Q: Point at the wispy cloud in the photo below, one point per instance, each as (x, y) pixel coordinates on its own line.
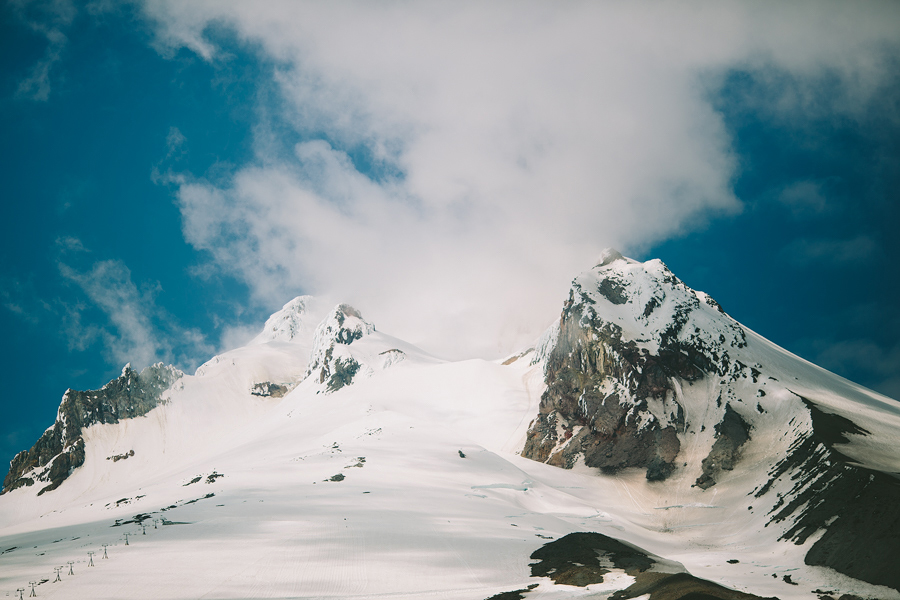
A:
(857, 340)
(49, 18)
(135, 328)
(132, 336)
(175, 143)
(20, 298)
(804, 198)
(479, 155)
(842, 252)
(105, 309)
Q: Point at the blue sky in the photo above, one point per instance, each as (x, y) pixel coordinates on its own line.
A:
(173, 173)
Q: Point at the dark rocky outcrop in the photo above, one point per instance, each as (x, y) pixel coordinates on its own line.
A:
(732, 432)
(267, 389)
(118, 457)
(582, 559)
(857, 507)
(344, 325)
(514, 594)
(342, 373)
(578, 559)
(630, 336)
(331, 362)
(60, 449)
(598, 390)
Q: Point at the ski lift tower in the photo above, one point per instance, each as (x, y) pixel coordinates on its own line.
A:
(71, 564)
(32, 584)
(91, 561)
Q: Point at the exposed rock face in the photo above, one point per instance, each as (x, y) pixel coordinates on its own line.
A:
(267, 389)
(732, 432)
(582, 559)
(856, 506)
(612, 383)
(60, 449)
(639, 366)
(331, 362)
(118, 457)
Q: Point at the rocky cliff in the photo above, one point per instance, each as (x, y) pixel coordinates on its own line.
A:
(640, 366)
(630, 336)
(60, 449)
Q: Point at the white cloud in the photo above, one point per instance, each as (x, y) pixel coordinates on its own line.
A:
(108, 285)
(138, 331)
(527, 136)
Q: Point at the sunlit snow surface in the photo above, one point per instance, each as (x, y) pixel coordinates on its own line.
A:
(434, 501)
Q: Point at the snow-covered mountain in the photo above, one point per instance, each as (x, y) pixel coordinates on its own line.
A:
(644, 372)
(648, 446)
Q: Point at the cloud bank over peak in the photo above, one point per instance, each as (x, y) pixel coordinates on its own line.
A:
(459, 163)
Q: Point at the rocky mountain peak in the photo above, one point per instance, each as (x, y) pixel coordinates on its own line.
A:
(330, 360)
(650, 306)
(343, 325)
(629, 335)
(642, 371)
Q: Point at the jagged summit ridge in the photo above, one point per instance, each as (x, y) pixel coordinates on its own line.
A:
(60, 449)
(653, 307)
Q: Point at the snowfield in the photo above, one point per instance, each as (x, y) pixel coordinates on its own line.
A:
(406, 483)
